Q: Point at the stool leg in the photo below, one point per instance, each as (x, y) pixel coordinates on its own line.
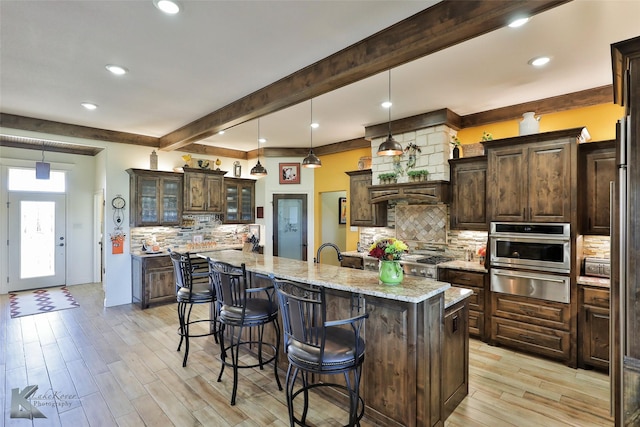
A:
(235, 357)
(181, 307)
(305, 396)
(275, 361)
(290, 382)
(223, 352)
(186, 336)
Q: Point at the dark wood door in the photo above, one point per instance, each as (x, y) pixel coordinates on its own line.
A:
(549, 182)
(599, 171)
(468, 193)
(290, 226)
(506, 186)
(595, 339)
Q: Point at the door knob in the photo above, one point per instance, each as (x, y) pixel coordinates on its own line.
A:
(61, 244)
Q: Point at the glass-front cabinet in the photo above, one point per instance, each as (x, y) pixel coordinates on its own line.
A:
(239, 200)
(155, 197)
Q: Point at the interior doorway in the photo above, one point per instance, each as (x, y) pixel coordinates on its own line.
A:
(332, 209)
(290, 226)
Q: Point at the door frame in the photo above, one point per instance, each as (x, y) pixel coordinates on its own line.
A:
(303, 222)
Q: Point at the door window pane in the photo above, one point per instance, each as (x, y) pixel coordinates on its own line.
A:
(25, 180)
(37, 239)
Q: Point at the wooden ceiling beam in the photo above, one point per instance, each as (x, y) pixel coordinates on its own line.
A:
(443, 25)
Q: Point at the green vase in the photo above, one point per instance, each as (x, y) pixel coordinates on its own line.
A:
(391, 272)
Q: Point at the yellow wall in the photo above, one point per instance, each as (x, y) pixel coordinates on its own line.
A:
(600, 121)
(332, 177)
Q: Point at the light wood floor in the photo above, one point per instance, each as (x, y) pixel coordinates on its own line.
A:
(119, 366)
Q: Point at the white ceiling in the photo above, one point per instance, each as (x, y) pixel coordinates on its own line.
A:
(183, 67)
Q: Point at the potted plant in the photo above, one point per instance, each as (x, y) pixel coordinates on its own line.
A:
(486, 136)
(418, 175)
(456, 146)
(388, 178)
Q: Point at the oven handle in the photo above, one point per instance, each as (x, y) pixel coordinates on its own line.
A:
(532, 276)
(538, 237)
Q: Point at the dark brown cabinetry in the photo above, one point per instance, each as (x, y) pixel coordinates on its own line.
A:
(468, 193)
(532, 325)
(239, 200)
(203, 191)
(532, 178)
(362, 212)
(597, 163)
(352, 262)
(593, 329)
(455, 360)
(155, 197)
(152, 280)
(478, 302)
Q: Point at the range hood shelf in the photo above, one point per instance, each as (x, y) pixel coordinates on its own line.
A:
(417, 192)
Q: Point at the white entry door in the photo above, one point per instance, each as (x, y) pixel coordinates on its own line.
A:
(37, 246)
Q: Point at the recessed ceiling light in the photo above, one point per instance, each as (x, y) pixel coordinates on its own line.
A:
(262, 140)
(169, 7)
(386, 104)
(518, 22)
(89, 105)
(539, 61)
(315, 125)
(221, 132)
(116, 69)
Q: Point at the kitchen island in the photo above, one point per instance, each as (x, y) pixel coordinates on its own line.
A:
(402, 377)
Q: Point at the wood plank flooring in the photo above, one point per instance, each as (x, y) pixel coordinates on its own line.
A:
(119, 367)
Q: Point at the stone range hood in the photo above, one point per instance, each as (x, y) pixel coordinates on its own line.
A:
(412, 192)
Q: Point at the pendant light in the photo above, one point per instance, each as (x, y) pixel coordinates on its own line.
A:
(311, 161)
(390, 147)
(258, 170)
(43, 170)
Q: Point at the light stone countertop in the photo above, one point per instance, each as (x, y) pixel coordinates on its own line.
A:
(413, 289)
(454, 295)
(601, 282)
(464, 265)
(165, 252)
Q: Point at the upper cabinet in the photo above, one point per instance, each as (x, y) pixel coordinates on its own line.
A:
(239, 200)
(532, 178)
(203, 191)
(468, 193)
(363, 213)
(597, 164)
(155, 197)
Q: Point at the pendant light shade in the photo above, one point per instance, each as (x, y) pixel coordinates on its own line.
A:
(258, 170)
(43, 169)
(311, 161)
(390, 147)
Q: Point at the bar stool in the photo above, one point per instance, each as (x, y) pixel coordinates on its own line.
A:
(240, 307)
(317, 346)
(189, 293)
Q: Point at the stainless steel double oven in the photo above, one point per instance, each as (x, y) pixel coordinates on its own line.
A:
(531, 259)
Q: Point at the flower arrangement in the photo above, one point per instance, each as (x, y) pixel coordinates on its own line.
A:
(455, 141)
(388, 249)
(486, 136)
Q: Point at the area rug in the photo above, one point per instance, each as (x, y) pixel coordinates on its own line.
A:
(38, 301)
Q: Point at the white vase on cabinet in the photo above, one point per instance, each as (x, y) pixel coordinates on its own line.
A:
(529, 124)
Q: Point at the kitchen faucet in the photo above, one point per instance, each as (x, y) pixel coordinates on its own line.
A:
(316, 260)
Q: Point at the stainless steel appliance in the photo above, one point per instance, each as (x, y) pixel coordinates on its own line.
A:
(543, 247)
(597, 267)
(425, 267)
(531, 260)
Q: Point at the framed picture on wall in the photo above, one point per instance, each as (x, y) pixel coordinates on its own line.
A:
(342, 210)
(289, 173)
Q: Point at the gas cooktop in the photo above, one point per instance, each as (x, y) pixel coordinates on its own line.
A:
(434, 259)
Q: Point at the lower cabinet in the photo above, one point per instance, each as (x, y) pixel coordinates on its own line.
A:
(478, 308)
(152, 280)
(593, 328)
(532, 325)
(455, 356)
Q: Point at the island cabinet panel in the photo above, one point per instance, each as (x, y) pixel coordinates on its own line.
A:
(455, 360)
(468, 193)
(479, 314)
(532, 178)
